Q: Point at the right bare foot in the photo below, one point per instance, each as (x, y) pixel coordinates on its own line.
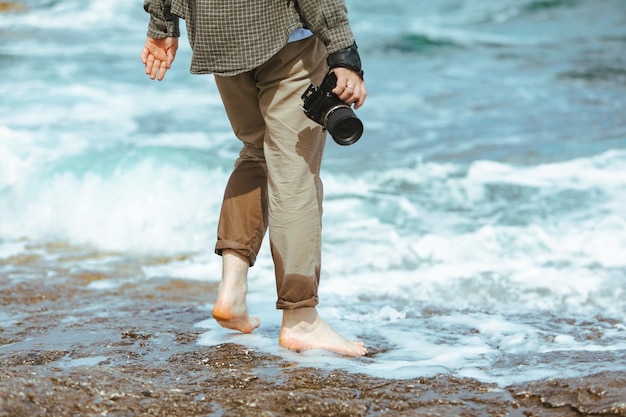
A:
(303, 329)
(231, 310)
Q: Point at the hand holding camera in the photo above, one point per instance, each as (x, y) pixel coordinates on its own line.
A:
(350, 87)
(326, 108)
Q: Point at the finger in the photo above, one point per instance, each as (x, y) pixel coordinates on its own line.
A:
(346, 95)
(144, 55)
(154, 69)
(357, 95)
(350, 93)
(162, 70)
(340, 89)
(362, 96)
(170, 58)
(171, 54)
(149, 63)
(342, 82)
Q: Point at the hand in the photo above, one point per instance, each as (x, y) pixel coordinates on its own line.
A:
(158, 55)
(350, 87)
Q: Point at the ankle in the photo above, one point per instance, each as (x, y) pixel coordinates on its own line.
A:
(301, 317)
(233, 258)
(234, 273)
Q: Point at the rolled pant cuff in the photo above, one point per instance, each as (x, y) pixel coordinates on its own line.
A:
(243, 250)
(288, 305)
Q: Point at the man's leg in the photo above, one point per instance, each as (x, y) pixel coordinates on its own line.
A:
(293, 148)
(293, 152)
(243, 218)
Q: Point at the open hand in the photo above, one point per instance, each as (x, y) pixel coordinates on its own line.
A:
(157, 55)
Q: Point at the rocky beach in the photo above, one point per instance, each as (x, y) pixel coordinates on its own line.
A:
(75, 349)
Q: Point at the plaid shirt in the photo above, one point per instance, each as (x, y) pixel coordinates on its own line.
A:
(228, 37)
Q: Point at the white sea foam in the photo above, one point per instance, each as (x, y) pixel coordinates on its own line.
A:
(454, 295)
(204, 267)
(492, 288)
(76, 14)
(90, 361)
(132, 210)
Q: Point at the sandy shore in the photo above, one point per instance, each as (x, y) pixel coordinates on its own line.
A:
(67, 349)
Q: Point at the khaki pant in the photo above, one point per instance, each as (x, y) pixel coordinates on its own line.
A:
(275, 183)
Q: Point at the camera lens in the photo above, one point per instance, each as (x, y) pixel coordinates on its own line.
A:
(343, 125)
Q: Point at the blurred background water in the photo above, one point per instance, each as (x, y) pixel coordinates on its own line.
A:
(477, 228)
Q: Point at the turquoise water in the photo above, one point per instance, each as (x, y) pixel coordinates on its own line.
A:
(477, 228)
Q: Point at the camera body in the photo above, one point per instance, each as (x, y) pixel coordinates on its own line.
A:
(327, 109)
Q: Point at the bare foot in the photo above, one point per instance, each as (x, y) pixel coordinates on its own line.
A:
(235, 318)
(303, 329)
(231, 310)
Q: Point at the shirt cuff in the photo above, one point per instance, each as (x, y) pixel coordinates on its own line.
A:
(159, 29)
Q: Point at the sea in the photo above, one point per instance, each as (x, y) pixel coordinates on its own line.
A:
(477, 228)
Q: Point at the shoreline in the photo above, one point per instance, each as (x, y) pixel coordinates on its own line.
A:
(67, 349)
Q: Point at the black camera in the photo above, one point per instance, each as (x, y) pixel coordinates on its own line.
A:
(327, 109)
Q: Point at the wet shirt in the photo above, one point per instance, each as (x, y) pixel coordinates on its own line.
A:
(228, 37)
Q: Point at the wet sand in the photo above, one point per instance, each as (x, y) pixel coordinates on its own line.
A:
(68, 349)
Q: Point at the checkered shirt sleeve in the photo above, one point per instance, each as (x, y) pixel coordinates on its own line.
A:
(232, 36)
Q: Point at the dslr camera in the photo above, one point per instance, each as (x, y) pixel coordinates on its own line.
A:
(326, 108)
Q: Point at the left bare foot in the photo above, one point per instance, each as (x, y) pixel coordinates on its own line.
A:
(231, 309)
(303, 329)
(234, 316)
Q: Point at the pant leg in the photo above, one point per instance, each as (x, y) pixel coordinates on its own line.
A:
(292, 149)
(243, 218)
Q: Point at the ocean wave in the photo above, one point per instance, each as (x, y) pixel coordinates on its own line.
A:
(417, 43)
(598, 74)
(433, 39)
(140, 200)
(445, 213)
(541, 5)
(74, 15)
